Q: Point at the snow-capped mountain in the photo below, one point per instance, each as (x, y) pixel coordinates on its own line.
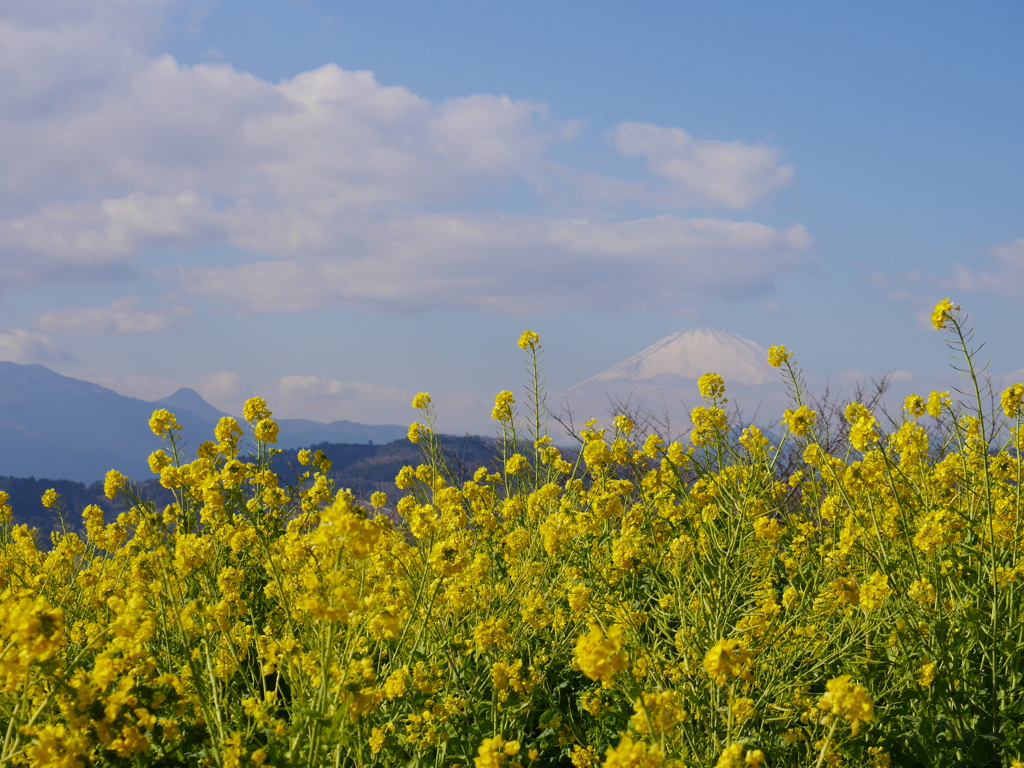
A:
(690, 354)
(662, 380)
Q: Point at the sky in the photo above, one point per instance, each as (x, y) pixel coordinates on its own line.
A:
(336, 205)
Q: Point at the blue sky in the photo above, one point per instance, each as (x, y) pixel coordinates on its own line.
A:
(336, 205)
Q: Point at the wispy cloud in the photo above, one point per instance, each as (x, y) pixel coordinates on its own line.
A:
(1003, 275)
(121, 317)
(704, 171)
(18, 345)
(517, 265)
(332, 389)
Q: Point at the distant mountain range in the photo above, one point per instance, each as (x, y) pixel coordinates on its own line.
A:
(63, 428)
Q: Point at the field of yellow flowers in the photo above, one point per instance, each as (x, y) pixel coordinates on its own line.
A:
(649, 604)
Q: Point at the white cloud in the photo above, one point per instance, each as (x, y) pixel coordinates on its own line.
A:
(326, 135)
(730, 173)
(509, 264)
(316, 386)
(339, 189)
(326, 400)
(1013, 377)
(320, 399)
(147, 388)
(18, 345)
(121, 317)
(57, 54)
(224, 389)
(1004, 277)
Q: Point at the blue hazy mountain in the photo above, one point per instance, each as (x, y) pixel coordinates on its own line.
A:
(186, 399)
(293, 433)
(63, 428)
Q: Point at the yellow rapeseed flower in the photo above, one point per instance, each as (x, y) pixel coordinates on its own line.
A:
(623, 424)
(711, 386)
(936, 402)
(862, 425)
(799, 421)
(943, 313)
(844, 698)
(493, 752)
(915, 406)
(50, 497)
(1012, 401)
(728, 659)
(600, 655)
(742, 709)
(777, 356)
(633, 754)
(421, 400)
(583, 757)
(874, 591)
(113, 482)
(529, 340)
(926, 673)
(265, 431)
(162, 421)
(733, 756)
(503, 406)
(255, 409)
(658, 713)
(447, 557)
(515, 462)
(705, 422)
(227, 430)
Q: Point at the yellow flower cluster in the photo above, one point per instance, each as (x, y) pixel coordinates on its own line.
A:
(163, 422)
(847, 700)
(734, 756)
(711, 386)
(600, 654)
(943, 313)
(800, 420)
(863, 426)
(529, 340)
(633, 754)
(50, 497)
(728, 659)
(503, 402)
(1012, 401)
(777, 356)
(493, 752)
(638, 601)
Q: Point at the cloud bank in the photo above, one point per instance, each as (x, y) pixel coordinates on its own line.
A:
(338, 189)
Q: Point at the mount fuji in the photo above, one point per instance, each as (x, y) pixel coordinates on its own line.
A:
(663, 377)
(691, 354)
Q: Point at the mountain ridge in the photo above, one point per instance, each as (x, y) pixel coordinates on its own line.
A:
(53, 425)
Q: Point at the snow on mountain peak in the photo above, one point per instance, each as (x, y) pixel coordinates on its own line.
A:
(690, 354)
